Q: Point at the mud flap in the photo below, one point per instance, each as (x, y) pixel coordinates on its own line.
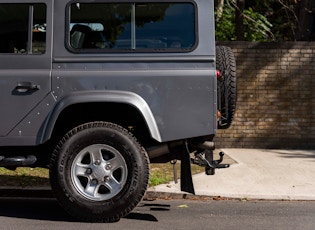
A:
(186, 183)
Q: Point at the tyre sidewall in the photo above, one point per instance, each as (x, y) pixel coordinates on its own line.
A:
(226, 64)
(130, 194)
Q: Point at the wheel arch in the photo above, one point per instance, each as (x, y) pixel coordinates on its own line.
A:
(77, 101)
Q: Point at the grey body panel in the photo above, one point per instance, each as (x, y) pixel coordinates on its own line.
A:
(176, 96)
(175, 92)
(20, 69)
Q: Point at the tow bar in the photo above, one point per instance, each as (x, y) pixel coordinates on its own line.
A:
(203, 156)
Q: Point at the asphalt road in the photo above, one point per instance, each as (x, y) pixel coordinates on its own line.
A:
(17, 213)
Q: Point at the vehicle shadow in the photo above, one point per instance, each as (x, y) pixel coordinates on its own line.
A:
(296, 154)
(48, 209)
(142, 211)
(33, 208)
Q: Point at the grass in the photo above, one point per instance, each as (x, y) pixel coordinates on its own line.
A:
(27, 177)
(24, 177)
(164, 173)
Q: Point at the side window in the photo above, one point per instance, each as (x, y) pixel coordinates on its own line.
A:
(165, 25)
(22, 28)
(143, 27)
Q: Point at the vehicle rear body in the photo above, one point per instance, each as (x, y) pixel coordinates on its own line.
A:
(174, 88)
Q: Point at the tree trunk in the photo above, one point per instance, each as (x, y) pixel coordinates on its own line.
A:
(306, 20)
(220, 5)
(239, 20)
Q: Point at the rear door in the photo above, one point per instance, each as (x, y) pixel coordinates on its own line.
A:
(25, 59)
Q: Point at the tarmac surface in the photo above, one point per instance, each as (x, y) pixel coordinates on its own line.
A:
(256, 174)
(253, 174)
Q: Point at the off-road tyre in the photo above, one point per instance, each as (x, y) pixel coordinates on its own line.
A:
(227, 92)
(87, 154)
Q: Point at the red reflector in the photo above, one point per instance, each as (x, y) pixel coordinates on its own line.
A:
(218, 73)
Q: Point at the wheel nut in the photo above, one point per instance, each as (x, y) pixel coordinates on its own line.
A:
(106, 179)
(97, 162)
(108, 167)
(88, 171)
(94, 182)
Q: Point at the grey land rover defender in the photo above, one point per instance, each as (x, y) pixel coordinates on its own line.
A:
(96, 90)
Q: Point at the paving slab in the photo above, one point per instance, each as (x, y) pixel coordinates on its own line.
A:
(257, 174)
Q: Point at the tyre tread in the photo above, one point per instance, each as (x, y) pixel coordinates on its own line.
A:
(60, 194)
(225, 62)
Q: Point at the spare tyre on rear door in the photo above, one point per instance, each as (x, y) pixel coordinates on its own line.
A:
(225, 63)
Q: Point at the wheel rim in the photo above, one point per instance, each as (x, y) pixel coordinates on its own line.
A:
(99, 172)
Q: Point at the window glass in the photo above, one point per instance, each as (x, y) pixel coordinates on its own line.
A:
(39, 29)
(115, 21)
(132, 26)
(165, 26)
(16, 34)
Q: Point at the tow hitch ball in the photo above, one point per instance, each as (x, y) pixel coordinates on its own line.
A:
(204, 157)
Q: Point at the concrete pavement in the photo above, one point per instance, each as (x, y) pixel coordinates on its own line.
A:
(256, 174)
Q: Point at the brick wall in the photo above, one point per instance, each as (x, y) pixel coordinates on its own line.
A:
(276, 96)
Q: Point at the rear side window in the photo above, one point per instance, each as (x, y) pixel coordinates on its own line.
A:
(142, 27)
(22, 28)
